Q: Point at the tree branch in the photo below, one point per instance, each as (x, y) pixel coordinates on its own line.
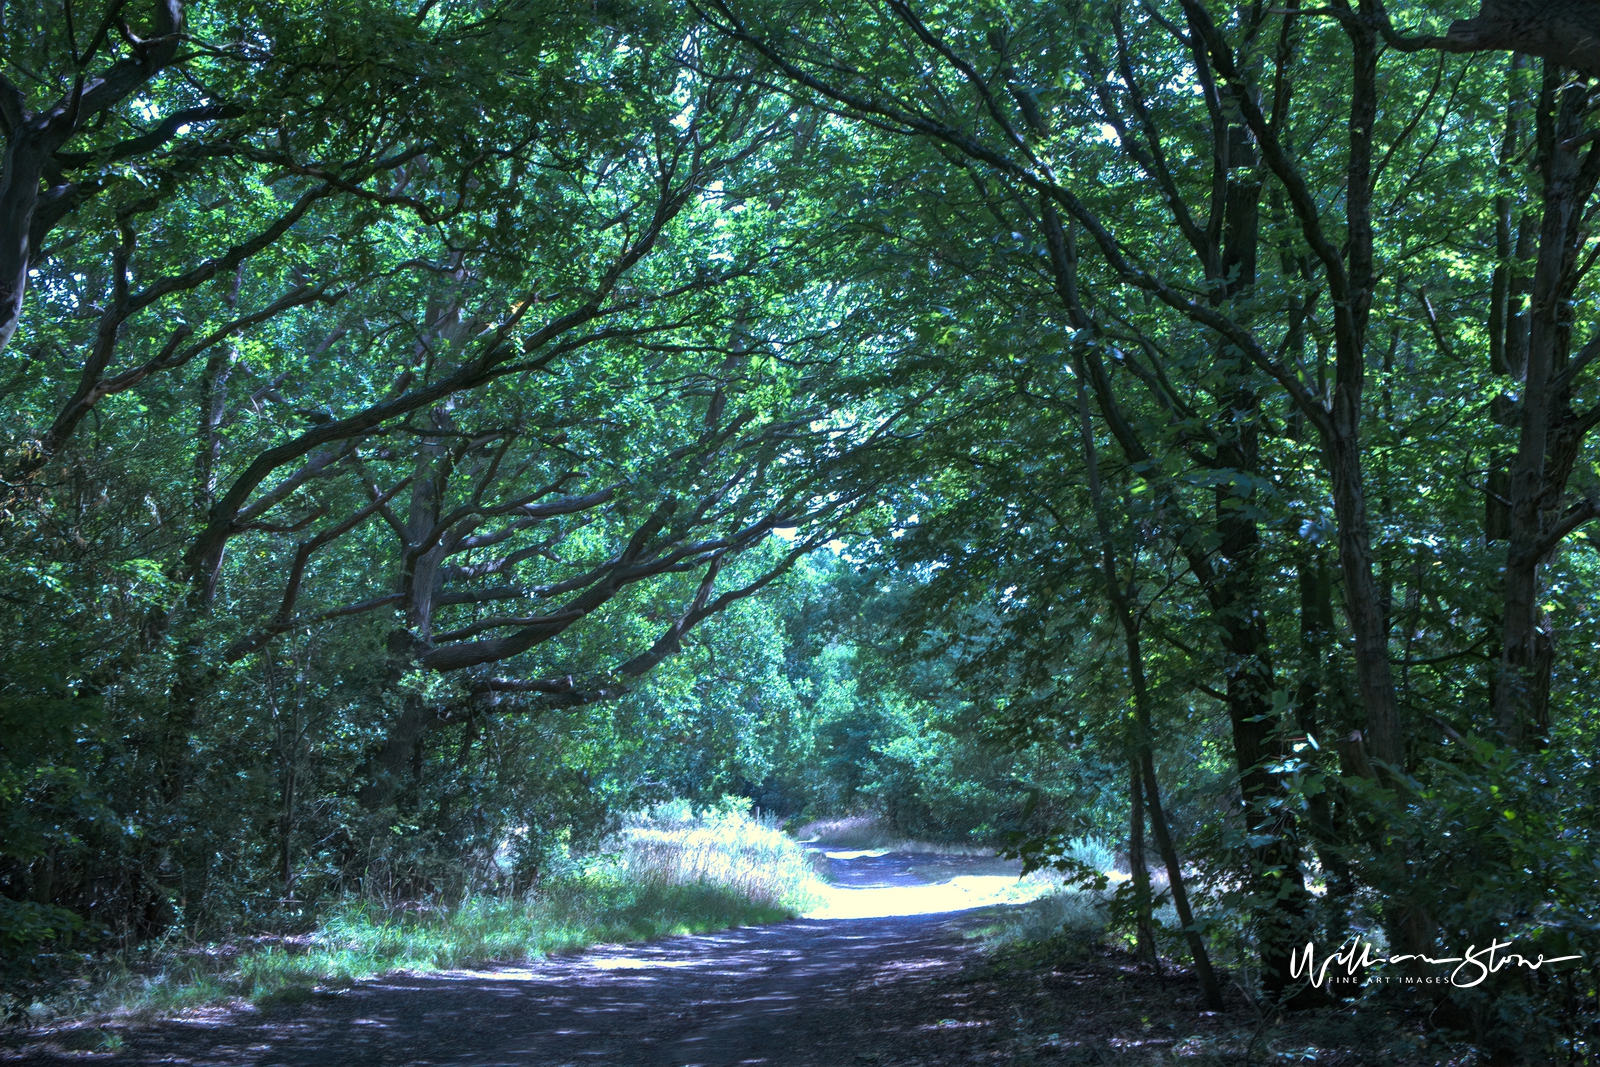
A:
(1565, 32)
(284, 618)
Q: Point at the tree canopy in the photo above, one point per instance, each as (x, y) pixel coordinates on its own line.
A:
(436, 428)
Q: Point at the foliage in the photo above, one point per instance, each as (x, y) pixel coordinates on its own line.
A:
(723, 846)
(435, 430)
(1502, 850)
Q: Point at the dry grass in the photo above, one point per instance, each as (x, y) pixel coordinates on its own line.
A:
(724, 847)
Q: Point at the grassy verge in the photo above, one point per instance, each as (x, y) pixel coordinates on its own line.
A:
(676, 871)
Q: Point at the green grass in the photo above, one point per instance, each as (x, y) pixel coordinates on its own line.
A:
(359, 940)
(1058, 919)
(674, 871)
(723, 847)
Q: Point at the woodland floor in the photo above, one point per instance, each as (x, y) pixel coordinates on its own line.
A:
(849, 988)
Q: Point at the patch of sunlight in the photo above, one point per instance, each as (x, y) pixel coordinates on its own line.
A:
(635, 963)
(962, 893)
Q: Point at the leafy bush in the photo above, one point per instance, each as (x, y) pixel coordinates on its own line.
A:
(1490, 845)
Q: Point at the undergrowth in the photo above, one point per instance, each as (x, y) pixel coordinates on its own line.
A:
(668, 872)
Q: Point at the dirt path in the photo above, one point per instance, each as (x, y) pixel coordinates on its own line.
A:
(885, 975)
(864, 988)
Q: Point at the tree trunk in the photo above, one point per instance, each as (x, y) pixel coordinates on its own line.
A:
(1142, 721)
(1232, 586)
(1138, 869)
(386, 769)
(19, 195)
(418, 582)
(32, 139)
(212, 405)
(1237, 602)
(1321, 722)
(1384, 738)
(1180, 896)
(1542, 465)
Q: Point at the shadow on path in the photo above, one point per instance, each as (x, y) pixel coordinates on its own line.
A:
(812, 991)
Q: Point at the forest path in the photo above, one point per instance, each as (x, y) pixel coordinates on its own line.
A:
(862, 981)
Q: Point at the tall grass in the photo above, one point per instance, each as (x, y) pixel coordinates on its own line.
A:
(671, 871)
(1066, 922)
(1070, 921)
(726, 847)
